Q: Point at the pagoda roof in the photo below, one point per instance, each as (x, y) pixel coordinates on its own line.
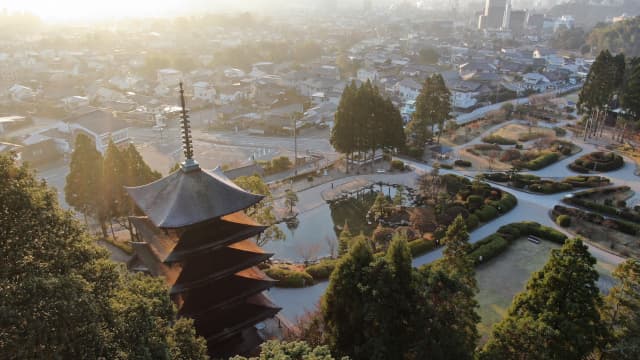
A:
(221, 232)
(208, 236)
(225, 322)
(236, 288)
(205, 268)
(186, 198)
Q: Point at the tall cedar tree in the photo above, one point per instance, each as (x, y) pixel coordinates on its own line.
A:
(62, 298)
(366, 122)
(556, 317)
(605, 79)
(630, 98)
(84, 181)
(621, 314)
(461, 290)
(433, 107)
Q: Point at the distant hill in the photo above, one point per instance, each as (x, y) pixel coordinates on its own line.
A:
(623, 36)
(590, 12)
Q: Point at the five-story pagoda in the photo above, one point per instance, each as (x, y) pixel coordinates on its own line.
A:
(196, 235)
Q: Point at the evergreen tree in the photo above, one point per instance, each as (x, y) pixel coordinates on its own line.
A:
(343, 133)
(433, 107)
(84, 181)
(344, 303)
(344, 239)
(621, 313)
(62, 298)
(455, 260)
(556, 317)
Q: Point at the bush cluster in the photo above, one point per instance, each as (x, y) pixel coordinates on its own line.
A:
(623, 226)
(397, 165)
(289, 278)
(421, 246)
(321, 270)
(462, 163)
(486, 213)
(597, 161)
(530, 136)
(497, 139)
(564, 221)
(541, 161)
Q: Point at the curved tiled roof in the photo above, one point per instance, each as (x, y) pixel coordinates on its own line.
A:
(186, 198)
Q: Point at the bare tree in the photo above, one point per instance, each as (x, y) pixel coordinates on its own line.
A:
(332, 244)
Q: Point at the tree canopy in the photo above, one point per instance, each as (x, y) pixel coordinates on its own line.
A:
(365, 121)
(556, 317)
(433, 107)
(61, 296)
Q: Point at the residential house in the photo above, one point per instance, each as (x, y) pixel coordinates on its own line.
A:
(73, 103)
(101, 126)
(202, 90)
(464, 94)
(408, 89)
(536, 82)
(21, 93)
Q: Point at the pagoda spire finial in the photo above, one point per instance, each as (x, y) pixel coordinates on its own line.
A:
(189, 163)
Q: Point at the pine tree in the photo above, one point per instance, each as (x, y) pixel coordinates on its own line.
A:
(344, 129)
(344, 241)
(84, 181)
(560, 303)
(455, 260)
(621, 314)
(418, 128)
(343, 304)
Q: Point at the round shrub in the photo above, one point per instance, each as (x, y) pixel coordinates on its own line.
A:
(462, 163)
(497, 139)
(472, 222)
(421, 246)
(564, 221)
(487, 213)
(397, 165)
(474, 202)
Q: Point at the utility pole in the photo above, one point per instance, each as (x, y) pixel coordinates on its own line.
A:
(295, 147)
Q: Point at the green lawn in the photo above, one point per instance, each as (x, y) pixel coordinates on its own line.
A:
(505, 276)
(500, 279)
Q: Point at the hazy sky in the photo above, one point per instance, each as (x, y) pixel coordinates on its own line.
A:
(60, 10)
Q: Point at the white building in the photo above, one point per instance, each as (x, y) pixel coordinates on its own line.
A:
(536, 82)
(565, 21)
(464, 93)
(72, 103)
(204, 91)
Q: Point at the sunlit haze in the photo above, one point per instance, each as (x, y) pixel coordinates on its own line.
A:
(91, 10)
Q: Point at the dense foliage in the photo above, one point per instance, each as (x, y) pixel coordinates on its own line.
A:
(383, 308)
(365, 121)
(619, 37)
(60, 295)
(433, 107)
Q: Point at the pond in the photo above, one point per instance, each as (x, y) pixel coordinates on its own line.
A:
(317, 230)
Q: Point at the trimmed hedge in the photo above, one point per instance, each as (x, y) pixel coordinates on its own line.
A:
(486, 213)
(472, 222)
(497, 139)
(564, 221)
(462, 163)
(421, 246)
(289, 278)
(542, 161)
(321, 270)
(488, 248)
(598, 161)
(623, 226)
